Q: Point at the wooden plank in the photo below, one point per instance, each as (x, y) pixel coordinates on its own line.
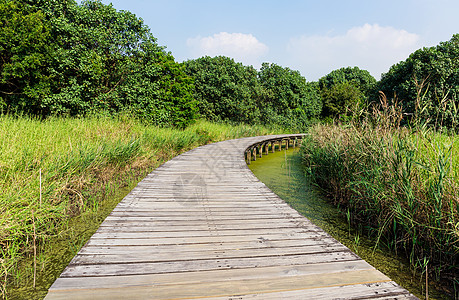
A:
(209, 276)
(196, 225)
(133, 256)
(229, 288)
(167, 222)
(215, 222)
(203, 265)
(188, 211)
(196, 210)
(216, 246)
(196, 234)
(205, 239)
(380, 291)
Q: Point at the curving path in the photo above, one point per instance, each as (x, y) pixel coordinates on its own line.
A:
(203, 226)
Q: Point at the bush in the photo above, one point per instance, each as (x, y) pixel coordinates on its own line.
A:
(341, 99)
(25, 49)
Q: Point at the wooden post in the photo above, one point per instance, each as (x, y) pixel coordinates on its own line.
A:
(34, 251)
(249, 158)
(254, 153)
(266, 149)
(294, 142)
(273, 146)
(40, 192)
(260, 150)
(287, 142)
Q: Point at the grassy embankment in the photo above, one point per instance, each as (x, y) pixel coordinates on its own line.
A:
(81, 162)
(400, 186)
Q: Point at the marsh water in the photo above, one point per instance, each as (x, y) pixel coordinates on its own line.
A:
(282, 172)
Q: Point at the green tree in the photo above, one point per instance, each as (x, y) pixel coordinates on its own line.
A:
(361, 79)
(225, 90)
(427, 83)
(103, 60)
(25, 49)
(288, 99)
(341, 99)
(158, 90)
(345, 89)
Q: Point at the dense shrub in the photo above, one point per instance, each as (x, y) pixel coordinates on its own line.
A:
(229, 91)
(64, 58)
(341, 99)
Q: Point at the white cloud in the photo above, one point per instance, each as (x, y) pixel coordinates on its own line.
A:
(371, 47)
(242, 47)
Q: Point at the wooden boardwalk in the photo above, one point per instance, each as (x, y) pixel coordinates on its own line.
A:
(203, 226)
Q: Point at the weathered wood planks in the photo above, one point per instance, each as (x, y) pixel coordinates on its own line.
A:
(203, 226)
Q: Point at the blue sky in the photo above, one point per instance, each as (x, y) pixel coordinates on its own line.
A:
(313, 37)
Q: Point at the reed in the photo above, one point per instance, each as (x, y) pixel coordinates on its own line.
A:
(400, 184)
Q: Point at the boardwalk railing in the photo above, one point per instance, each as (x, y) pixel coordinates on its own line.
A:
(203, 226)
(271, 144)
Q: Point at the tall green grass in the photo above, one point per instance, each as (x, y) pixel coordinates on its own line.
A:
(81, 161)
(400, 185)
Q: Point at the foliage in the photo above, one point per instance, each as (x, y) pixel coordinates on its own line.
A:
(63, 58)
(229, 91)
(288, 99)
(362, 79)
(96, 59)
(24, 51)
(427, 83)
(225, 90)
(343, 89)
(342, 99)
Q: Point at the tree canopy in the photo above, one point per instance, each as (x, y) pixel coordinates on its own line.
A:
(224, 89)
(345, 89)
(288, 99)
(24, 53)
(63, 58)
(427, 82)
(78, 59)
(229, 91)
